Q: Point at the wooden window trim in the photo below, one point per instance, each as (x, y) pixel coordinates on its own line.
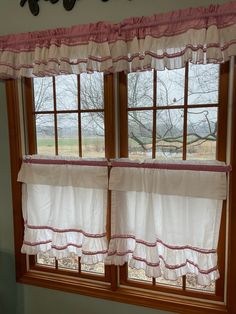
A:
(120, 293)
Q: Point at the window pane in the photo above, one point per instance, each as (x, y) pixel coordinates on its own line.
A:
(163, 281)
(202, 128)
(169, 134)
(191, 284)
(91, 91)
(44, 259)
(45, 134)
(68, 263)
(98, 268)
(138, 274)
(203, 84)
(43, 94)
(93, 141)
(140, 134)
(140, 89)
(170, 87)
(67, 128)
(66, 92)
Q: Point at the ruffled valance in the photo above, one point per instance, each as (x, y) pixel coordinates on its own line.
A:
(201, 35)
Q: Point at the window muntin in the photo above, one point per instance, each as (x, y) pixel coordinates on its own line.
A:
(69, 115)
(172, 114)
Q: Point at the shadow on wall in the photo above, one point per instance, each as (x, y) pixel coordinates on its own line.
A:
(11, 294)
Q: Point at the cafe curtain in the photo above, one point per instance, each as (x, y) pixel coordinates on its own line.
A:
(64, 205)
(169, 40)
(165, 218)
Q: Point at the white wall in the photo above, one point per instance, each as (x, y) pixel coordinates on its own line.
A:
(15, 19)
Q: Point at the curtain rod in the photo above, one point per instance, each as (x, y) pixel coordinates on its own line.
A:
(130, 164)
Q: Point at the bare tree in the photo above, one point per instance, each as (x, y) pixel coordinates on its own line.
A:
(201, 124)
(88, 92)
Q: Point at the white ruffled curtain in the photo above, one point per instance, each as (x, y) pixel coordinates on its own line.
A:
(169, 40)
(64, 206)
(166, 221)
(165, 218)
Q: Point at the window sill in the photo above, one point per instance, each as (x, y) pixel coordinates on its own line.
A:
(157, 300)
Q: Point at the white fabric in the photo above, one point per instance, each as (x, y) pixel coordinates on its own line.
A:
(64, 175)
(64, 209)
(170, 182)
(165, 234)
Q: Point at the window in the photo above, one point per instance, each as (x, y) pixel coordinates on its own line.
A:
(68, 117)
(180, 114)
(174, 115)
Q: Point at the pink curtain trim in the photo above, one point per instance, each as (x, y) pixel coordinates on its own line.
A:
(60, 248)
(88, 235)
(168, 266)
(66, 162)
(36, 243)
(167, 24)
(124, 58)
(169, 166)
(172, 247)
(127, 164)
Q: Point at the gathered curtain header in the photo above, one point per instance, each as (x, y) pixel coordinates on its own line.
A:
(169, 40)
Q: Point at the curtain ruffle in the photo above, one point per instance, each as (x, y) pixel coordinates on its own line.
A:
(201, 35)
(61, 243)
(159, 259)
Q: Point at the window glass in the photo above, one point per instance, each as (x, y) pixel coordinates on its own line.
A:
(43, 94)
(203, 84)
(170, 87)
(45, 134)
(140, 125)
(67, 130)
(93, 140)
(169, 134)
(66, 92)
(140, 89)
(202, 133)
(91, 91)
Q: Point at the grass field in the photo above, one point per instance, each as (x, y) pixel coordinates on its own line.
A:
(91, 146)
(94, 147)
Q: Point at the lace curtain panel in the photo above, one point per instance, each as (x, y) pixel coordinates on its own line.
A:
(166, 221)
(200, 35)
(165, 218)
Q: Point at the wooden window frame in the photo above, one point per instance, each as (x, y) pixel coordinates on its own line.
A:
(220, 155)
(114, 291)
(108, 111)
